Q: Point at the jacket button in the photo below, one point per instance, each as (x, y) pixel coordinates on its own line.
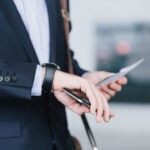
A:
(14, 78)
(7, 79)
(1, 78)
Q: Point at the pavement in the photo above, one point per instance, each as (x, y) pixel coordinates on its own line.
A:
(129, 130)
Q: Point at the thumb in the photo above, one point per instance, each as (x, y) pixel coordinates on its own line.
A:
(103, 74)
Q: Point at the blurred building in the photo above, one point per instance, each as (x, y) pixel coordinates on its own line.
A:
(119, 45)
(117, 31)
(87, 14)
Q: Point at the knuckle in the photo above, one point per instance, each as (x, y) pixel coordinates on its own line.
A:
(93, 110)
(113, 93)
(84, 85)
(85, 81)
(94, 103)
(69, 107)
(114, 86)
(79, 113)
(119, 89)
(124, 79)
(93, 106)
(108, 97)
(100, 111)
(100, 108)
(106, 110)
(89, 82)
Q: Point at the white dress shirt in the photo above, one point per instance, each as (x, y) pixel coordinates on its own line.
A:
(35, 17)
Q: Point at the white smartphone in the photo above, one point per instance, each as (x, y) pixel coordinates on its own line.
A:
(121, 73)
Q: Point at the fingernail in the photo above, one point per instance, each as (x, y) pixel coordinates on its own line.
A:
(99, 122)
(107, 120)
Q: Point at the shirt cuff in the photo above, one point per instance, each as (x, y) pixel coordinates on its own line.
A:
(38, 81)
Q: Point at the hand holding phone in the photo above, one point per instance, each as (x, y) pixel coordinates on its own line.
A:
(106, 81)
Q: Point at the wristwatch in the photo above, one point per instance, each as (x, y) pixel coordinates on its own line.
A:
(50, 69)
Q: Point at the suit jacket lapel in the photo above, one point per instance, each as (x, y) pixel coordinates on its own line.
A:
(15, 20)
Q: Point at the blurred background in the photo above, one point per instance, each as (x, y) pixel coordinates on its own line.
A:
(108, 35)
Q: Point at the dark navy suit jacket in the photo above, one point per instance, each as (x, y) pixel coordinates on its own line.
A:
(30, 123)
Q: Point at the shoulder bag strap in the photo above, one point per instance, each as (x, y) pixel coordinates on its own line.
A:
(66, 20)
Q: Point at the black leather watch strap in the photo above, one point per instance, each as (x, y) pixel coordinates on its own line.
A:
(49, 76)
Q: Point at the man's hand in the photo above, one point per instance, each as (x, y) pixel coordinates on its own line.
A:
(99, 104)
(108, 90)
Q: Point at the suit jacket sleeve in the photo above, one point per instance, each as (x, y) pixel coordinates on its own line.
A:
(16, 80)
